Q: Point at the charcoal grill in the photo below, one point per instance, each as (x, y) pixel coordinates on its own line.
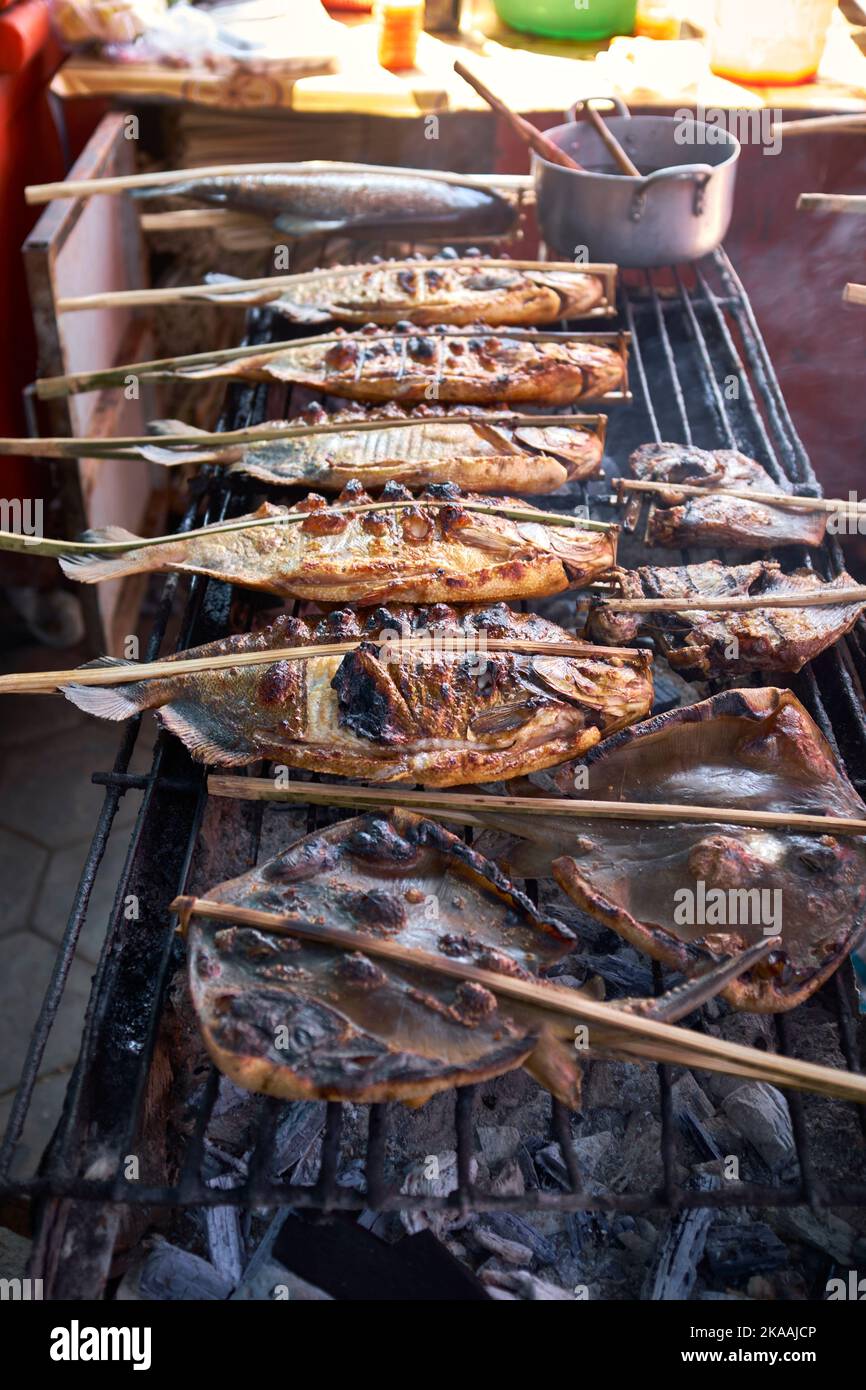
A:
(700, 373)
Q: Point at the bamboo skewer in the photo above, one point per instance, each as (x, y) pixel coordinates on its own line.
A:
(819, 125)
(645, 1035)
(524, 129)
(787, 500)
(279, 284)
(440, 645)
(622, 159)
(456, 805)
(741, 603)
(125, 445)
(832, 202)
(854, 294)
(47, 388)
(15, 542)
(121, 183)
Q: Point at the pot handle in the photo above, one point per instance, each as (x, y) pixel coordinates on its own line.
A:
(700, 174)
(575, 110)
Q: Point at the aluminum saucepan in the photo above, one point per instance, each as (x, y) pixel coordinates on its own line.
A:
(679, 210)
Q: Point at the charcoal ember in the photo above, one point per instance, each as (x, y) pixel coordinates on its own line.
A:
(626, 971)
(527, 1286)
(498, 1143)
(509, 1252)
(521, 1229)
(164, 1273)
(620, 1087)
(680, 1251)
(509, 1181)
(434, 1176)
(825, 1232)
(761, 1115)
(737, 1249)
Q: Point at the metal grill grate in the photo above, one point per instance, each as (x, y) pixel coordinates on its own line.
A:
(701, 374)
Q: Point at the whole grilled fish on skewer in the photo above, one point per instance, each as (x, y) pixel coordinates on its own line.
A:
(361, 1028)
(423, 292)
(413, 553)
(510, 453)
(688, 892)
(730, 644)
(722, 521)
(446, 365)
(322, 201)
(388, 711)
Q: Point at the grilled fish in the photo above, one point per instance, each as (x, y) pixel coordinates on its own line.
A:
(412, 367)
(324, 201)
(730, 644)
(746, 750)
(391, 713)
(726, 521)
(300, 1020)
(480, 457)
(418, 554)
(426, 293)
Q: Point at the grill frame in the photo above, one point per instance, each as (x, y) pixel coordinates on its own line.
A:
(695, 322)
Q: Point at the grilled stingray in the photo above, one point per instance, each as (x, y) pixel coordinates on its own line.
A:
(301, 1020)
(415, 555)
(427, 293)
(479, 457)
(310, 200)
(686, 893)
(388, 713)
(483, 368)
(726, 521)
(730, 644)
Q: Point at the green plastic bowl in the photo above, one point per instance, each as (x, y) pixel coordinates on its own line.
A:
(568, 19)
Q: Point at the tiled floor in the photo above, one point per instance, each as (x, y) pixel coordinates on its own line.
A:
(48, 810)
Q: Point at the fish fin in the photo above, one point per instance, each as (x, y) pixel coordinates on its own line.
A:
(104, 701)
(683, 999)
(305, 226)
(203, 748)
(92, 568)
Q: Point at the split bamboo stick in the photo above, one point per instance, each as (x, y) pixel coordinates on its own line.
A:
(786, 500)
(476, 804)
(741, 603)
(472, 644)
(677, 1043)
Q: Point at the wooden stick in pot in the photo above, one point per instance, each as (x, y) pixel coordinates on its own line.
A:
(527, 132)
(623, 162)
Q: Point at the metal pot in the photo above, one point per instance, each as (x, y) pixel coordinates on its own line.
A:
(678, 210)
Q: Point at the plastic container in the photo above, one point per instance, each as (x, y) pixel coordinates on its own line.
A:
(773, 43)
(563, 19)
(400, 23)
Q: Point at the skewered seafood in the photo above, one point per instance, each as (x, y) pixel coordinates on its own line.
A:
(677, 520)
(497, 293)
(730, 644)
(686, 892)
(412, 553)
(307, 201)
(481, 457)
(374, 364)
(388, 711)
(478, 368)
(304, 1020)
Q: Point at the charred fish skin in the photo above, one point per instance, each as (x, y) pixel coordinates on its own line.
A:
(361, 1029)
(459, 367)
(678, 520)
(425, 294)
(477, 457)
(388, 711)
(711, 644)
(414, 554)
(329, 201)
(763, 747)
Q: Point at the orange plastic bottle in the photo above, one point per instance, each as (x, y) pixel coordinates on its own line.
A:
(400, 24)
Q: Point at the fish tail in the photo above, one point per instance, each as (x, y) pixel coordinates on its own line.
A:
(91, 567)
(115, 702)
